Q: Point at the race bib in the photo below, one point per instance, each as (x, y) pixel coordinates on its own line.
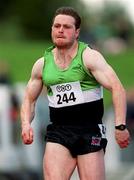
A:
(67, 94)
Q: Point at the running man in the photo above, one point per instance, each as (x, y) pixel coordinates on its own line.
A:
(74, 75)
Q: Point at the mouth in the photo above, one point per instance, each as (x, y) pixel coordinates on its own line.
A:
(62, 37)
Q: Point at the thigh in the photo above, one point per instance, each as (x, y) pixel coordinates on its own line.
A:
(58, 163)
(91, 166)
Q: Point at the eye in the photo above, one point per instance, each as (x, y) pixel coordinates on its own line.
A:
(56, 25)
(66, 26)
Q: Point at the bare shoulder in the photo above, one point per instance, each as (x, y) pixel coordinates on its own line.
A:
(39, 63)
(38, 67)
(92, 53)
(93, 58)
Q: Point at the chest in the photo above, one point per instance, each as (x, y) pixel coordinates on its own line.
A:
(64, 64)
(53, 75)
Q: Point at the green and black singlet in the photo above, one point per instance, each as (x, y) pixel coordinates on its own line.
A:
(75, 97)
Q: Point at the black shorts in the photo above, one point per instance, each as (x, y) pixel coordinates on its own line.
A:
(78, 140)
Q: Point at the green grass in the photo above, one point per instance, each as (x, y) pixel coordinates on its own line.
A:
(22, 55)
(123, 64)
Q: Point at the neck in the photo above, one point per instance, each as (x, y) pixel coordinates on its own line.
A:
(66, 51)
(64, 56)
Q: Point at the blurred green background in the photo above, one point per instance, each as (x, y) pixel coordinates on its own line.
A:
(25, 33)
(25, 27)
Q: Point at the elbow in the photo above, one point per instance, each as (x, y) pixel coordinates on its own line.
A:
(123, 91)
(120, 89)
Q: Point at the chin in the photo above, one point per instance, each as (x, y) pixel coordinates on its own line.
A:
(60, 43)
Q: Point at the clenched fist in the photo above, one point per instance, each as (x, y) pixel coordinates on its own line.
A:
(122, 138)
(27, 134)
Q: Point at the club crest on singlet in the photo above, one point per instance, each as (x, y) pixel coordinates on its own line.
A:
(67, 94)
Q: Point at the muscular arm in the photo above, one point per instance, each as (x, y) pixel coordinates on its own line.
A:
(106, 76)
(32, 92)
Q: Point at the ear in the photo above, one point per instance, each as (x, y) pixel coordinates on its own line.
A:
(77, 33)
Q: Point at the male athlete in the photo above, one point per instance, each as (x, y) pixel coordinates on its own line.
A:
(74, 75)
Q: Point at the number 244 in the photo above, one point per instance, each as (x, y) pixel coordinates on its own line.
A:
(66, 98)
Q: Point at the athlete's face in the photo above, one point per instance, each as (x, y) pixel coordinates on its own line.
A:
(64, 32)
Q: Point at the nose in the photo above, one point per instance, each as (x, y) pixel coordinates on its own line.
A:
(61, 29)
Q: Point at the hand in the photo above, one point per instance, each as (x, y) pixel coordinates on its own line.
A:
(27, 134)
(122, 138)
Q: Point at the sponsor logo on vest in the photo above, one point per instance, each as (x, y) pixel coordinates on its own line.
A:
(63, 88)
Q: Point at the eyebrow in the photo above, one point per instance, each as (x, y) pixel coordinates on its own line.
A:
(70, 25)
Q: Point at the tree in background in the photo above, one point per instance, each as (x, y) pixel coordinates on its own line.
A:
(116, 17)
(32, 19)
(35, 16)
(4, 8)
(110, 21)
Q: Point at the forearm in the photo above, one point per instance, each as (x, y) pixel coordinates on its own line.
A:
(27, 112)
(32, 92)
(119, 103)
